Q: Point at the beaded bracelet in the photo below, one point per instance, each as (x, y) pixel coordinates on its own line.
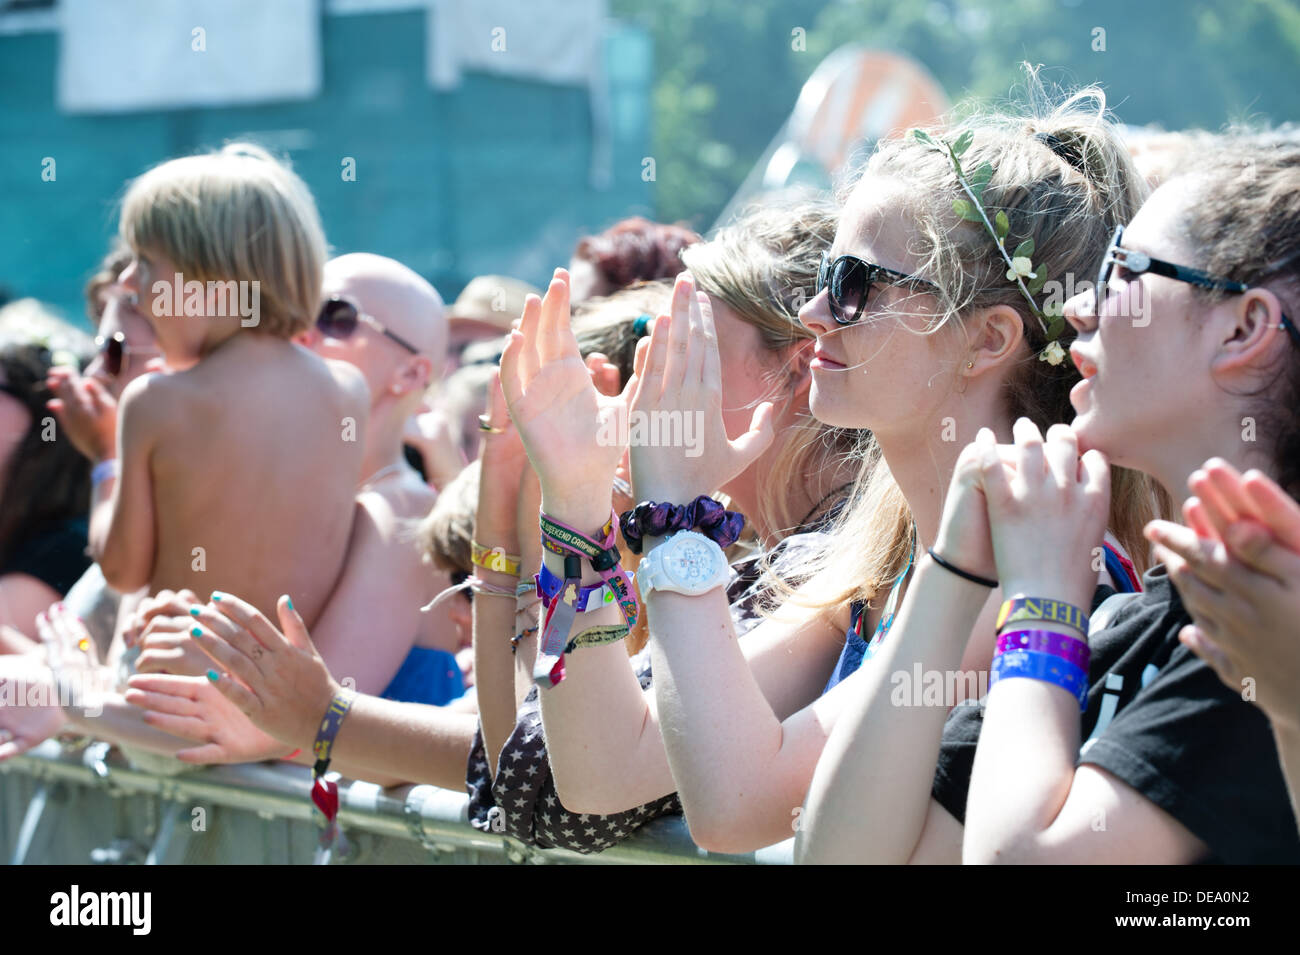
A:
(1046, 667)
(650, 519)
(1067, 648)
(1039, 609)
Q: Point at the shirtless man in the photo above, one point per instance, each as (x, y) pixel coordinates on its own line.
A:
(387, 321)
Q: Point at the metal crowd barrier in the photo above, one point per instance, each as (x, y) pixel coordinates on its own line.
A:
(92, 806)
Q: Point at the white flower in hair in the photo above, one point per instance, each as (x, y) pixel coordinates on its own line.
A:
(1053, 354)
(1022, 267)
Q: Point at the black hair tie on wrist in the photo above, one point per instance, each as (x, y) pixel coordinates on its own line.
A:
(953, 569)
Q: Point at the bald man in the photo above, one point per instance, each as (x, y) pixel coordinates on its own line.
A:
(389, 322)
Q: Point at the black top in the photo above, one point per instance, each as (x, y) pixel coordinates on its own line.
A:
(1162, 721)
(56, 555)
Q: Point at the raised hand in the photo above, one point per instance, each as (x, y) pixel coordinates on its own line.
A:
(86, 411)
(1237, 569)
(572, 433)
(1047, 513)
(1223, 496)
(679, 375)
(964, 538)
(276, 679)
(192, 708)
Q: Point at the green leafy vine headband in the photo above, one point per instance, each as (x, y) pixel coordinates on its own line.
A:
(1020, 266)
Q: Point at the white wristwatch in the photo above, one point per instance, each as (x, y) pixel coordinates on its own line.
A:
(687, 563)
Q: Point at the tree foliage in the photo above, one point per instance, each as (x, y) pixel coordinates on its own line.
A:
(727, 73)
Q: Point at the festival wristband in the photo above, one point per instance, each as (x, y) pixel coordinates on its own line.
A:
(561, 539)
(329, 728)
(1067, 648)
(1037, 609)
(102, 471)
(494, 558)
(604, 556)
(573, 545)
(597, 637)
(325, 792)
(1041, 666)
(589, 598)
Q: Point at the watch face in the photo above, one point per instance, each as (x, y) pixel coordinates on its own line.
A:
(691, 563)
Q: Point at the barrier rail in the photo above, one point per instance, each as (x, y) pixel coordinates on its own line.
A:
(92, 806)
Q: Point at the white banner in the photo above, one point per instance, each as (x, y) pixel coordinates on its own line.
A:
(126, 55)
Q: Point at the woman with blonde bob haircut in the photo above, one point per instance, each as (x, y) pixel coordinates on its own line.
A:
(922, 338)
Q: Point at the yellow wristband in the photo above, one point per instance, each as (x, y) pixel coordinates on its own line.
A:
(495, 559)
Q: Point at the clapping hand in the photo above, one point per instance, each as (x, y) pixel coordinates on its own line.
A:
(679, 375)
(1237, 568)
(1047, 513)
(572, 432)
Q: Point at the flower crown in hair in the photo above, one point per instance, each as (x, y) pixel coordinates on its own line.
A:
(1020, 267)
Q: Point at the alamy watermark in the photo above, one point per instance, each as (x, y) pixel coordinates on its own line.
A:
(212, 299)
(655, 429)
(947, 688)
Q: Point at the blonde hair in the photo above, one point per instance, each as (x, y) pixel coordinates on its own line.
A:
(763, 266)
(1065, 180)
(236, 214)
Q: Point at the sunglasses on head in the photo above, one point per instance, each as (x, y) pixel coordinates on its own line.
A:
(117, 353)
(1135, 263)
(338, 318)
(850, 278)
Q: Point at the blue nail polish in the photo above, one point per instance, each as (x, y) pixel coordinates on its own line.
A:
(288, 602)
(194, 611)
(214, 676)
(217, 595)
(196, 633)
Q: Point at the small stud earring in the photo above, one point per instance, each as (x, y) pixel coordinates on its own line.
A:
(970, 364)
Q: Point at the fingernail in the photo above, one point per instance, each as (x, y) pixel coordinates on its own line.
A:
(288, 601)
(194, 611)
(196, 633)
(217, 595)
(214, 676)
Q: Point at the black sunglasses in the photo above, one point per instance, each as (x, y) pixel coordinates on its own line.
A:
(117, 353)
(849, 279)
(338, 318)
(1135, 263)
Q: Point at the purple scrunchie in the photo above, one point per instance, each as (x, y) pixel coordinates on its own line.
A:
(650, 519)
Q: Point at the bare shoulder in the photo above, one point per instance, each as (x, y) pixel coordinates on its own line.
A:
(351, 381)
(392, 513)
(151, 400)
